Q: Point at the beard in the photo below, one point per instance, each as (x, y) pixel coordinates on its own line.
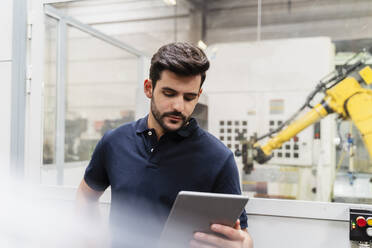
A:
(159, 117)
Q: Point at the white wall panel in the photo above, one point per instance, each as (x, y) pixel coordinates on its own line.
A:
(291, 64)
(6, 15)
(142, 102)
(273, 231)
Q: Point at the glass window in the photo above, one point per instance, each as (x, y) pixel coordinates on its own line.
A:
(100, 90)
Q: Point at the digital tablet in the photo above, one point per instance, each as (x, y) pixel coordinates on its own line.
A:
(196, 211)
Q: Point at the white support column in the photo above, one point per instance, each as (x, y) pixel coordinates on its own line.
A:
(6, 20)
(18, 89)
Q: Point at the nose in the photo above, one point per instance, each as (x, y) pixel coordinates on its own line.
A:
(178, 104)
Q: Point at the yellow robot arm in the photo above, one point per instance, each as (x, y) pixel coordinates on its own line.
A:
(347, 98)
(359, 108)
(309, 118)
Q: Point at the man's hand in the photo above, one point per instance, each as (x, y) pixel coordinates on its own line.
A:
(235, 238)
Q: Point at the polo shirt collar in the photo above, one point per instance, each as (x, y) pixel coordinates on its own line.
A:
(142, 125)
(188, 129)
(185, 131)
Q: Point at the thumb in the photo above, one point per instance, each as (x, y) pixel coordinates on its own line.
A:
(237, 225)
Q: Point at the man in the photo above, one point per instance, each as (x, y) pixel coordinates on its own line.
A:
(149, 161)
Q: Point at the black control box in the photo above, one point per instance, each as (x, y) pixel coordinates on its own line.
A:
(361, 225)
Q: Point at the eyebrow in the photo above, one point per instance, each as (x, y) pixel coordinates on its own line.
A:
(187, 93)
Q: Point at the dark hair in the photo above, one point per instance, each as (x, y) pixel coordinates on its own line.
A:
(181, 58)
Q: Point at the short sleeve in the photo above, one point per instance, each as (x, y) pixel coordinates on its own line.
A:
(96, 174)
(228, 183)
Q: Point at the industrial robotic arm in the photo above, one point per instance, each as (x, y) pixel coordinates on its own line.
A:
(344, 95)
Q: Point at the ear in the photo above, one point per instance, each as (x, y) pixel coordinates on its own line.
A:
(147, 88)
(200, 91)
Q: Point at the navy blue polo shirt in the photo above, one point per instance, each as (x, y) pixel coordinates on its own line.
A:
(146, 174)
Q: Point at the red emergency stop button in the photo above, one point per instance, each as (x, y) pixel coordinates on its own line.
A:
(361, 221)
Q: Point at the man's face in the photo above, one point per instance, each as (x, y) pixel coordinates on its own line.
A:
(173, 100)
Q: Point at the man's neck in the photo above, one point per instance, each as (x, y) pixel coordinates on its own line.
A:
(153, 124)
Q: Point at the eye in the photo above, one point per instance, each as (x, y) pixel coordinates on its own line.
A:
(189, 98)
(169, 93)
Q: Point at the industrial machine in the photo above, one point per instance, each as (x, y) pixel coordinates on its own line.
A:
(344, 94)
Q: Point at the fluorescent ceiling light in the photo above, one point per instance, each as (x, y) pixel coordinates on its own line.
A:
(170, 2)
(202, 45)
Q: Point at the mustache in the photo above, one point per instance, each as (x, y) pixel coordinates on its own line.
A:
(175, 113)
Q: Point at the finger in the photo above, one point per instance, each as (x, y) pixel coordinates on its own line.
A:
(212, 239)
(197, 244)
(237, 225)
(229, 232)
